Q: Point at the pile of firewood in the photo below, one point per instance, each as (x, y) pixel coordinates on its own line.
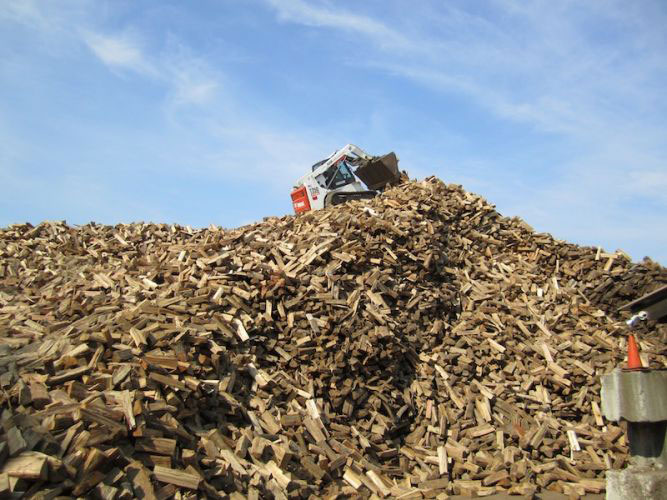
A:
(411, 345)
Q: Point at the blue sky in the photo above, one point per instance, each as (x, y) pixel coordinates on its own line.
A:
(206, 112)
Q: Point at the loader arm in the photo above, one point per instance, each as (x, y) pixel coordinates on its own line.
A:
(349, 150)
(375, 171)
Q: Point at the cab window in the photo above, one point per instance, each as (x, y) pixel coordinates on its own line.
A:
(338, 175)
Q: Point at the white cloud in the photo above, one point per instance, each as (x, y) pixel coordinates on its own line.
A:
(250, 151)
(118, 52)
(585, 74)
(651, 182)
(27, 13)
(195, 92)
(12, 149)
(190, 80)
(215, 134)
(307, 13)
(532, 63)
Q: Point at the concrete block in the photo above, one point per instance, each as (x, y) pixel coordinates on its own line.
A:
(639, 396)
(637, 483)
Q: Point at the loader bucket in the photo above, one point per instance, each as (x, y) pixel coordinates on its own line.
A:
(380, 171)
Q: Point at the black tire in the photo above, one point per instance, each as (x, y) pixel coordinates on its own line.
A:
(338, 198)
(327, 200)
(333, 199)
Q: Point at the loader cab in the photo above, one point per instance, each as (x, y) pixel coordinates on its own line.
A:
(336, 176)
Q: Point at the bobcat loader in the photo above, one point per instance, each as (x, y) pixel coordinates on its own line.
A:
(339, 178)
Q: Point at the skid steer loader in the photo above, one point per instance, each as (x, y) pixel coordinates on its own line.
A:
(338, 178)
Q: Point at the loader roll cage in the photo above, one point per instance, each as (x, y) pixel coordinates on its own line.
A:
(337, 175)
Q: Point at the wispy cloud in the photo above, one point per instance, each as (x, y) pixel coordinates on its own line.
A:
(205, 129)
(584, 74)
(537, 63)
(192, 79)
(311, 14)
(650, 181)
(189, 79)
(120, 51)
(25, 12)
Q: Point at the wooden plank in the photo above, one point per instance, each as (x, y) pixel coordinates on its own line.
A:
(181, 478)
(27, 465)
(161, 446)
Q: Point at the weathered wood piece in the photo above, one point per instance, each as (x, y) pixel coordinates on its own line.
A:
(177, 477)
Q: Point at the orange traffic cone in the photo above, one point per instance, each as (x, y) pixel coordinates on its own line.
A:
(634, 362)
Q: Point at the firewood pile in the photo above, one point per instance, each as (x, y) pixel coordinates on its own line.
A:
(410, 346)
(616, 290)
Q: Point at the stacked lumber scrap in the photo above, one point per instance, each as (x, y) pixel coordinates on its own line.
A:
(412, 345)
(615, 291)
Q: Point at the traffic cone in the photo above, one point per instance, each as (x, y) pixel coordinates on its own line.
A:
(634, 362)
